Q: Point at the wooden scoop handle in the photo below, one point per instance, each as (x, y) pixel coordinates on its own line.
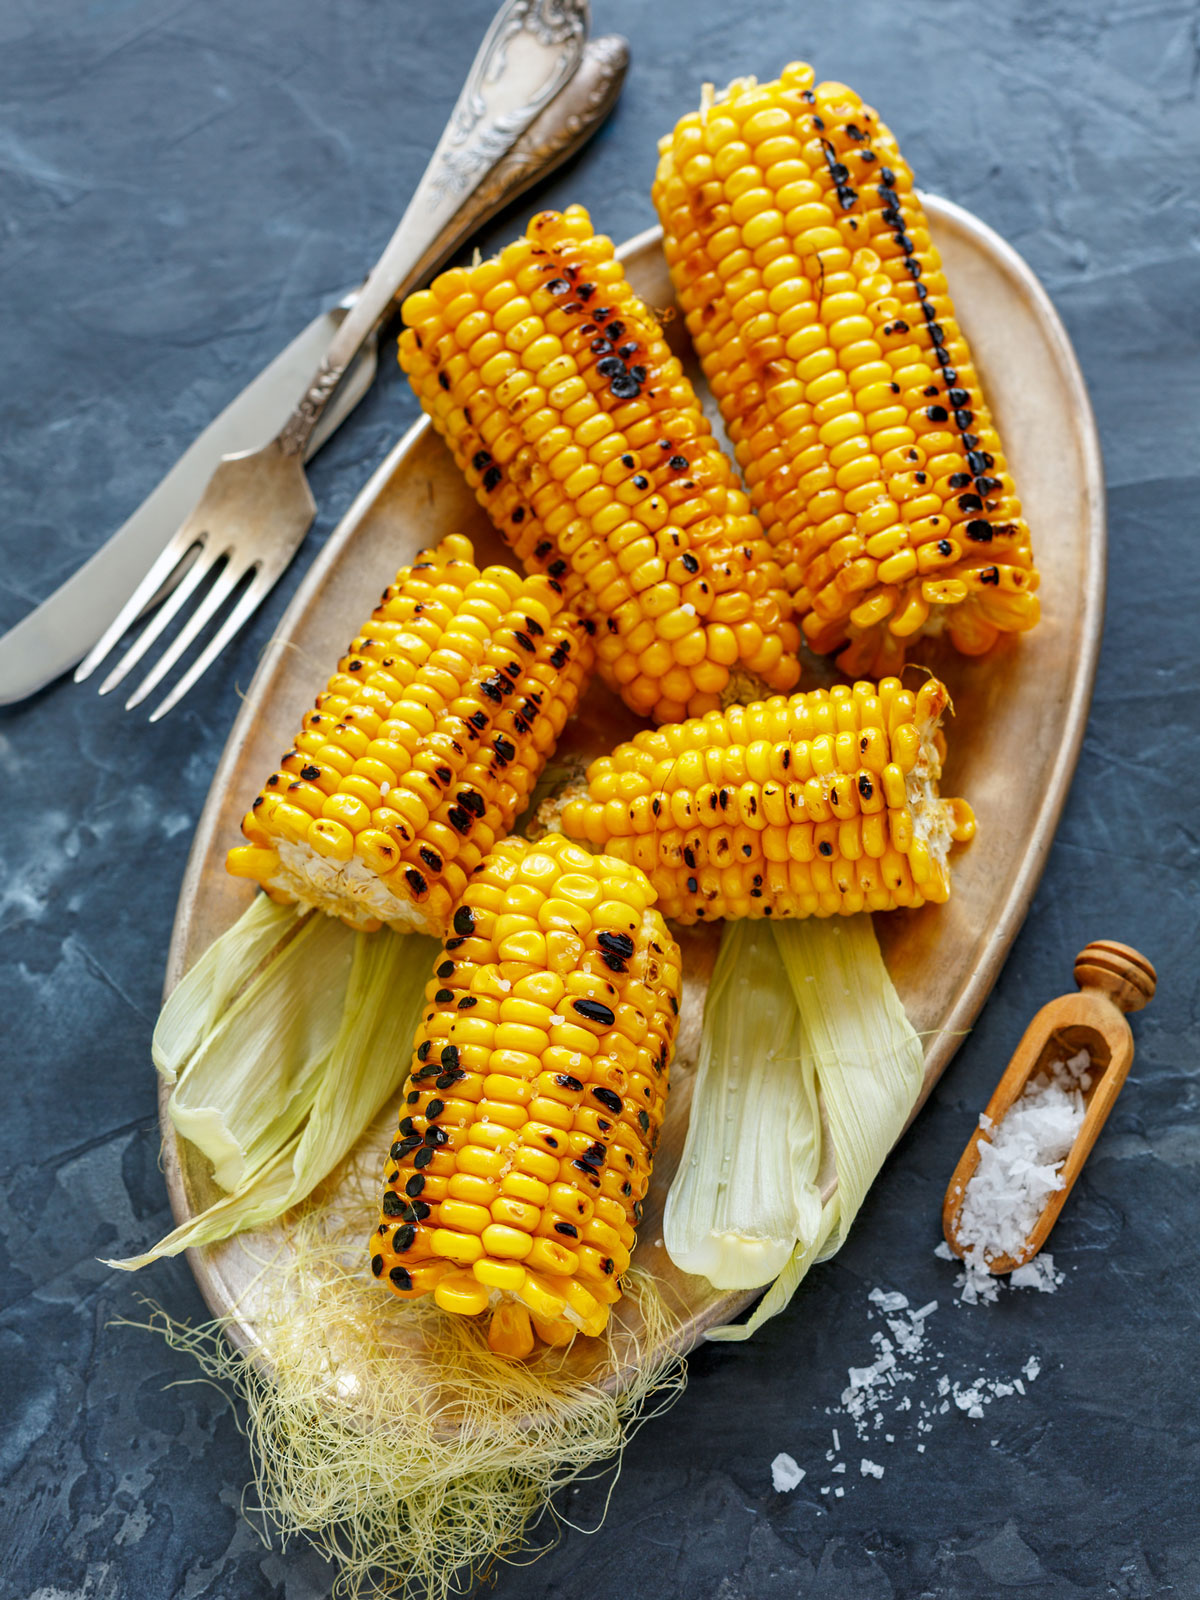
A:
(1118, 971)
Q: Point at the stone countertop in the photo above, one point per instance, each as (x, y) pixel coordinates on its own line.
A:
(181, 185)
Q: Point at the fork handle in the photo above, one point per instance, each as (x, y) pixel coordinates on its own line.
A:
(529, 53)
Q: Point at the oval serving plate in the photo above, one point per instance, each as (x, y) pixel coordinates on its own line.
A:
(1014, 739)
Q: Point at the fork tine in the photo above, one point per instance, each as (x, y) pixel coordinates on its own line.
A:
(223, 586)
(141, 597)
(259, 588)
(190, 581)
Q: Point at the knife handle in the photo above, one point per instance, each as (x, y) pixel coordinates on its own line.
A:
(531, 51)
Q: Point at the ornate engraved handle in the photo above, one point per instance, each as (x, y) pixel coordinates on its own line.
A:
(531, 51)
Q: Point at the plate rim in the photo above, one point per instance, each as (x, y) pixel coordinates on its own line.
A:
(1006, 924)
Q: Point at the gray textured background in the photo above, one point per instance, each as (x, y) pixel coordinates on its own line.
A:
(180, 185)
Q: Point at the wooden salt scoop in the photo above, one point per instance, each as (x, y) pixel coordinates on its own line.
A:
(1113, 979)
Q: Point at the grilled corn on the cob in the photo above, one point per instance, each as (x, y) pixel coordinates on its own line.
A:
(584, 441)
(424, 746)
(817, 304)
(535, 1098)
(819, 804)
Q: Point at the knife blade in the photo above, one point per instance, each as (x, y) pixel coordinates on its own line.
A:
(63, 628)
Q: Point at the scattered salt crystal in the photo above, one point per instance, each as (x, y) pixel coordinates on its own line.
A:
(920, 1449)
(1039, 1273)
(841, 1467)
(889, 1300)
(384, 788)
(689, 608)
(1031, 1368)
(839, 1493)
(871, 1469)
(785, 1473)
(824, 1488)
(837, 1443)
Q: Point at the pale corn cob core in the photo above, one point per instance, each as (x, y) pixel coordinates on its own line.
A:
(820, 804)
(536, 1096)
(585, 443)
(819, 311)
(424, 746)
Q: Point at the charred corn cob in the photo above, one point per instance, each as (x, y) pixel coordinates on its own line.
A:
(535, 1099)
(817, 304)
(585, 443)
(423, 747)
(819, 804)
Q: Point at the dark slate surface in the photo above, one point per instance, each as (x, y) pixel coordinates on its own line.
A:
(180, 185)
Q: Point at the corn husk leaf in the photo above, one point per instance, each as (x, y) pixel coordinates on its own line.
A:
(251, 1082)
(370, 1017)
(746, 1187)
(193, 1006)
(829, 985)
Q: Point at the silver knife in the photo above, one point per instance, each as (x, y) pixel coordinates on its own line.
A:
(63, 628)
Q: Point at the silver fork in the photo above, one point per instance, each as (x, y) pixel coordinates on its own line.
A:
(518, 114)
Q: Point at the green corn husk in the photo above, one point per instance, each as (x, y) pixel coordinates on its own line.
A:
(808, 1038)
(276, 1088)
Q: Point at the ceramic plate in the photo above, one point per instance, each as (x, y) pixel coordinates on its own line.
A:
(1014, 738)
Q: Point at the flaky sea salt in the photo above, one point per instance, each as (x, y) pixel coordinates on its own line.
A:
(785, 1474)
(1018, 1171)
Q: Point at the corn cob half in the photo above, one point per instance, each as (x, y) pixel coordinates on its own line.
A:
(536, 1096)
(817, 304)
(424, 746)
(815, 805)
(585, 442)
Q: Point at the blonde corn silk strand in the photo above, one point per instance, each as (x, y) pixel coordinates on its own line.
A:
(393, 1437)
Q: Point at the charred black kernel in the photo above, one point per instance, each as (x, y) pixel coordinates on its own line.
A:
(644, 1121)
(377, 1265)
(980, 531)
(478, 719)
(608, 1266)
(518, 514)
(638, 374)
(415, 881)
(461, 819)
(435, 1138)
(585, 291)
(446, 970)
(825, 847)
(656, 806)
(492, 477)
(723, 797)
(865, 787)
(453, 944)
(689, 561)
(443, 380)
(435, 1108)
(963, 419)
(444, 996)
(959, 397)
(450, 1055)
(626, 387)
(403, 1237)
(627, 1188)
(401, 1277)
(689, 855)
(595, 1154)
(559, 286)
(601, 347)
(481, 459)
(937, 413)
(617, 944)
(970, 441)
(272, 780)
(747, 851)
(944, 547)
(609, 1099)
(310, 774)
(987, 485)
(615, 331)
(414, 1186)
(640, 482)
(970, 502)
(549, 1139)
(612, 367)
(693, 886)
(393, 1206)
(602, 313)
(472, 801)
(405, 1146)
(979, 461)
(257, 801)
(558, 656)
(589, 1173)
(567, 1229)
(564, 1080)
(443, 774)
(990, 575)
(625, 351)
(423, 1049)
(595, 1011)
(931, 390)
(467, 1001)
